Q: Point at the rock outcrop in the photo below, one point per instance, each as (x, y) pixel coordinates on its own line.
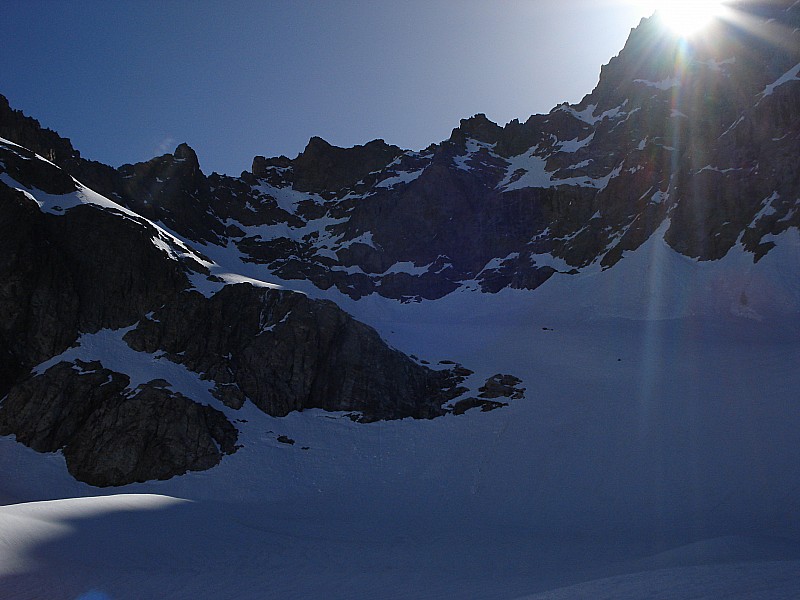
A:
(497, 386)
(285, 352)
(110, 434)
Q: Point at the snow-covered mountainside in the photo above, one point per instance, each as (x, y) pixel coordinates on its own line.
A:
(279, 372)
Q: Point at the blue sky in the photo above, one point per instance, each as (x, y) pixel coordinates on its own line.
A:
(126, 81)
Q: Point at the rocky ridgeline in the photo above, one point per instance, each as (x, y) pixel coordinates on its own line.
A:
(698, 134)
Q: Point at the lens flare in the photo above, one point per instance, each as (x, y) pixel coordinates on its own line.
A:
(687, 17)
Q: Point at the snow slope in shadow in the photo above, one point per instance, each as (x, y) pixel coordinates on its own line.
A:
(654, 438)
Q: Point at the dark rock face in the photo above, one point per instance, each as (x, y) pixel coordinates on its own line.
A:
(39, 303)
(80, 271)
(322, 167)
(285, 352)
(22, 166)
(111, 435)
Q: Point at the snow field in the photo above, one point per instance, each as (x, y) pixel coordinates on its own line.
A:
(656, 449)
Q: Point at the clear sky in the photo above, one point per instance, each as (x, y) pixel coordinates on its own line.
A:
(126, 81)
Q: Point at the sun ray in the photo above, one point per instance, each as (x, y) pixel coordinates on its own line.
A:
(686, 17)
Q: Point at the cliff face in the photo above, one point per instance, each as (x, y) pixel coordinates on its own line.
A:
(285, 352)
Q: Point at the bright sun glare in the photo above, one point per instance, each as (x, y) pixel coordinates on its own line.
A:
(686, 17)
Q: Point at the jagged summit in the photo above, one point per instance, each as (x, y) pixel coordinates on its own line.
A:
(671, 130)
(185, 153)
(28, 133)
(322, 167)
(479, 128)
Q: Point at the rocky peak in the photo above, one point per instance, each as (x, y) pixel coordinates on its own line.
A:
(182, 162)
(262, 164)
(184, 153)
(30, 134)
(172, 189)
(654, 59)
(324, 167)
(477, 127)
(316, 147)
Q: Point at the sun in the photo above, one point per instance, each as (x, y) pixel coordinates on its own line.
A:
(687, 17)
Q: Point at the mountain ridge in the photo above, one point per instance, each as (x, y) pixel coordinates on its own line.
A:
(673, 135)
(694, 143)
